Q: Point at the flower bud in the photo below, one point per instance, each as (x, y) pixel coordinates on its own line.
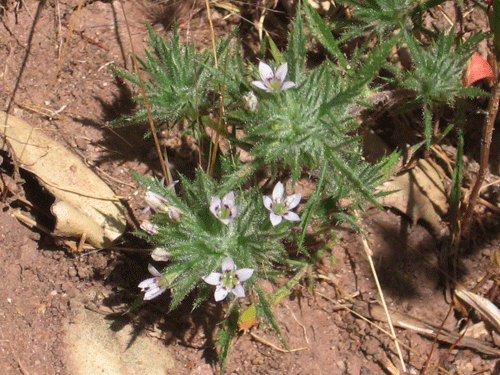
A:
(156, 202)
(160, 254)
(149, 227)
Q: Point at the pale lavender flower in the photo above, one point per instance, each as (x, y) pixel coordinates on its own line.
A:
(229, 280)
(280, 207)
(225, 210)
(154, 286)
(273, 80)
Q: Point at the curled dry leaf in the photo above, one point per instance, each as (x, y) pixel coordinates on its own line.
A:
(483, 306)
(84, 203)
(419, 193)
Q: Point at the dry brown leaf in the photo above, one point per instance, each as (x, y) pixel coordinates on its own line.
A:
(483, 306)
(84, 203)
(418, 193)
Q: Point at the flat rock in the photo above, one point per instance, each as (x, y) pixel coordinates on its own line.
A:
(92, 347)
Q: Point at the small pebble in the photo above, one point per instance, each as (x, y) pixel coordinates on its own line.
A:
(476, 362)
(486, 252)
(81, 143)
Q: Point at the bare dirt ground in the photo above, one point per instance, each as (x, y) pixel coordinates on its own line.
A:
(56, 305)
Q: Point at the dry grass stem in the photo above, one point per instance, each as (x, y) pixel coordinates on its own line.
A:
(299, 323)
(214, 146)
(71, 29)
(271, 345)
(384, 360)
(29, 222)
(369, 253)
(163, 161)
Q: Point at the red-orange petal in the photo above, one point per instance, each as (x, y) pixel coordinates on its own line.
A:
(477, 69)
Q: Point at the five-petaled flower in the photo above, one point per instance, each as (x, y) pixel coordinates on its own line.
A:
(273, 80)
(154, 286)
(280, 207)
(225, 210)
(229, 280)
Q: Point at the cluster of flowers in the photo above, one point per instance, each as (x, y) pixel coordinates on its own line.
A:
(225, 210)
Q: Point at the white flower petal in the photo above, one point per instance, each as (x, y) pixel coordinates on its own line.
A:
(281, 72)
(213, 279)
(146, 284)
(293, 201)
(220, 293)
(238, 291)
(153, 271)
(275, 219)
(291, 216)
(225, 221)
(233, 211)
(268, 202)
(214, 205)
(153, 293)
(145, 210)
(265, 71)
(287, 85)
(228, 199)
(227, 265)
(278, 192)
(171, 186)
(243, 274)
(260, 85)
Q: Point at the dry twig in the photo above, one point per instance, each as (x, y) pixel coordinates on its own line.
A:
(464, 221)
(271, 345)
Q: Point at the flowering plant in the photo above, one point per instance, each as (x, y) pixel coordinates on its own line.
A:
(229, 280)
(273, 80)
(220, 233)
(225, 210)
(154, 286)
(196, 245)
(280, 207)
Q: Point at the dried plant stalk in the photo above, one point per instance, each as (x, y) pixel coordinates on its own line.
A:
(369, 254)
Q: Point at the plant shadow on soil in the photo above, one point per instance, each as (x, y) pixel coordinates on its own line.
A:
(193, 328)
